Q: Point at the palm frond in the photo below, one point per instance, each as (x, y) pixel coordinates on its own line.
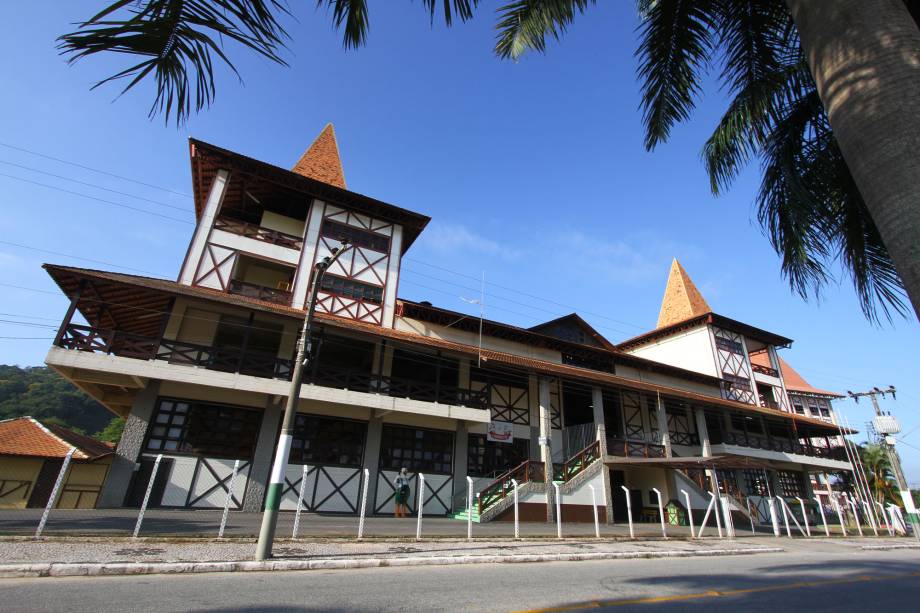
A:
(676, 41)
(350, 16)
(524, 25)
(463, 9)
(177, 38)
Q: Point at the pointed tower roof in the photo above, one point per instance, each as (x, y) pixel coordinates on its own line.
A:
(682, 301)
(321, 161)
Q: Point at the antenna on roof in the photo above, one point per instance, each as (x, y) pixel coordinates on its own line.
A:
(481, 302)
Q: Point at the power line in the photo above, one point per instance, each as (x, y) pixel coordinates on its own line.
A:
(95, 185)
(26, 338)
(82, 195)
(23, 315)
(31, 324)
(523, 293)
(102, 172)
(32, 289)
(77, 257)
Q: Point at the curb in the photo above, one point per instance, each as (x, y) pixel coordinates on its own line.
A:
(888, 547)
(61, 569)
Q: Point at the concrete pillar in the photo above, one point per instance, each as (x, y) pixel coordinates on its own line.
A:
(533, 395)
(264, 456)
(597, 397)
(372, 458)
(809, 490)
(703, 431)
(546, 452)
(663, 426)
(773, 477)
(129, 447)
(461, 468)
(463, 376)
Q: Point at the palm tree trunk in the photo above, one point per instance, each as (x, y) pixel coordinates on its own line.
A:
(865, 59)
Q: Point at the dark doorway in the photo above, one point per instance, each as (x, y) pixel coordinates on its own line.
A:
(617, 480)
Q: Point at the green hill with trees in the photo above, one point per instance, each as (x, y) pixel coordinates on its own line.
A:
(41, 393)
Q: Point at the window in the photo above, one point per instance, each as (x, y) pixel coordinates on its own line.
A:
(755, 482)
(425, 451)
(355, 290)
(181, 426)
(790, 483)
(729, 345)
(798, 407)
(322, 440)
(355, 236)
(746, 424)
(486, 458)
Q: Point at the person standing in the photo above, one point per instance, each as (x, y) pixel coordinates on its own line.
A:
(402, 493)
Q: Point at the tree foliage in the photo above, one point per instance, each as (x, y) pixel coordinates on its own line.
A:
(39, 392)
(808, 204)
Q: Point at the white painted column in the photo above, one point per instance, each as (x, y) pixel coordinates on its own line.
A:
(307, 253)
(389, 292)
(203, 229)
(663, 426)
(597, 397)
(546, 453)
(703, 431)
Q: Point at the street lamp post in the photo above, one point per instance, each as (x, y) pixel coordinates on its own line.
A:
(283, 450)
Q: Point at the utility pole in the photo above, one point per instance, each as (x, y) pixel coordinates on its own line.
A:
(887, 425)
(283, 449)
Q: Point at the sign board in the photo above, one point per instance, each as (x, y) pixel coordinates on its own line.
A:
(543, 441)
(908, 501)
(500, 432)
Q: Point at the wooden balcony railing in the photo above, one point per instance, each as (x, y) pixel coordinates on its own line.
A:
(259, 292)
(626, 448)
(684, 438)
(765, 370)
(757, 441)
(257, 232)
(261, 364)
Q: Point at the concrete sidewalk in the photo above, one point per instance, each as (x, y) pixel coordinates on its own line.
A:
(77, 557)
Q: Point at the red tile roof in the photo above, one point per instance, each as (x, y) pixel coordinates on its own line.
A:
(25, 436)
(321, 160)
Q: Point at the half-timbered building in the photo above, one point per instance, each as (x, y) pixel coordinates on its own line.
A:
(199, 368)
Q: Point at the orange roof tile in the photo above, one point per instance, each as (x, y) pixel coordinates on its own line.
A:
(682, 301)
(796, 383)
(25, 436)
(321, 161)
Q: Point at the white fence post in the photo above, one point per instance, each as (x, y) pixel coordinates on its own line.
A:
(55, 491)
(367, 476)
(469, 508)
(712, 504)
(421, 506)
(303, 487)
(228, 500)
(827, 531)
(870, 514)
(517, 528)
(597, 526)
(843, 528)
(558, 510)
(773, 518)
(856, 517)
(804, 515)
(885, 517)
(632, 534)
(747, 501)
(153, 476)
(664, 531)
(689, 512)
(727, 514)
(782, 506)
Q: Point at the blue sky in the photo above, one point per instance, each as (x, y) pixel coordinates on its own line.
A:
(533, 172)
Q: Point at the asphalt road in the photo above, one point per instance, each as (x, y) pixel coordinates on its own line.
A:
(820, 581)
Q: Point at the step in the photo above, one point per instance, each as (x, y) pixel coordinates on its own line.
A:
(462, 515)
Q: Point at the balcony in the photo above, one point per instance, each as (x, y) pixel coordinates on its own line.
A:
(757, 441)
(260, 364)
(765, 370)
(625, 448)
(259, 233)
(259, 292)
